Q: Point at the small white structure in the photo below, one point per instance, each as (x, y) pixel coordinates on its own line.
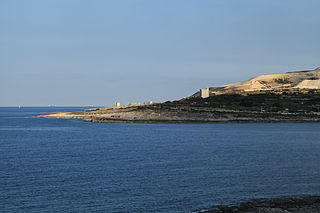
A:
(118, 104)
(204, 93)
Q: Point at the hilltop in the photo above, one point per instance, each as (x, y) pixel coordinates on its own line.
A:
(287, 97)
(297, 81)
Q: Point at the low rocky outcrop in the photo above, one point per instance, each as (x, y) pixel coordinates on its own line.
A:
(284, 205)
(215, 109)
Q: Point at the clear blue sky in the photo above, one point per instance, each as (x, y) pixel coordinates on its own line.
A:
(97, 52)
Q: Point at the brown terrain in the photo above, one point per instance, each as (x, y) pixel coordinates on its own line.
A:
(290, 81)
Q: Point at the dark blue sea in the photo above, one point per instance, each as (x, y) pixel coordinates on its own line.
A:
(71, 166)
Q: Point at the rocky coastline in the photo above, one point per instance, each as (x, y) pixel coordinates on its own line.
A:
(287, 97)
(136, 115)
(310, 204)
(259, 108)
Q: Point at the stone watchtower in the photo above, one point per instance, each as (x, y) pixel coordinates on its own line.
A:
(204, 93)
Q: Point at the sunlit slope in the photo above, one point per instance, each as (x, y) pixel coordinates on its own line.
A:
(290, 81)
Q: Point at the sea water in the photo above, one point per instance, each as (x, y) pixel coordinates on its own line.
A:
(67, 165)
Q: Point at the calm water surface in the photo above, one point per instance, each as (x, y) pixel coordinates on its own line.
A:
(59, 165)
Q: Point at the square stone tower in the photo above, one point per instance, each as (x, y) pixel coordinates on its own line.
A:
(204, 93)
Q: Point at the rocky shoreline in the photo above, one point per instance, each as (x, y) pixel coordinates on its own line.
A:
(181, 115)
(309, 204)
(254, 108)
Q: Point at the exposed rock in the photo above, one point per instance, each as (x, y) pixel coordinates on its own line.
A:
(288, 205)
(289, 82)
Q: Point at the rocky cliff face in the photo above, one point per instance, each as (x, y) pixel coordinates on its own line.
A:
(290, 81)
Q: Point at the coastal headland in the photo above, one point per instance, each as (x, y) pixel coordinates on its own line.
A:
(287, 97)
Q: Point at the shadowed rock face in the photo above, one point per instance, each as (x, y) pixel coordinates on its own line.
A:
(290, 205)
(299, 80)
